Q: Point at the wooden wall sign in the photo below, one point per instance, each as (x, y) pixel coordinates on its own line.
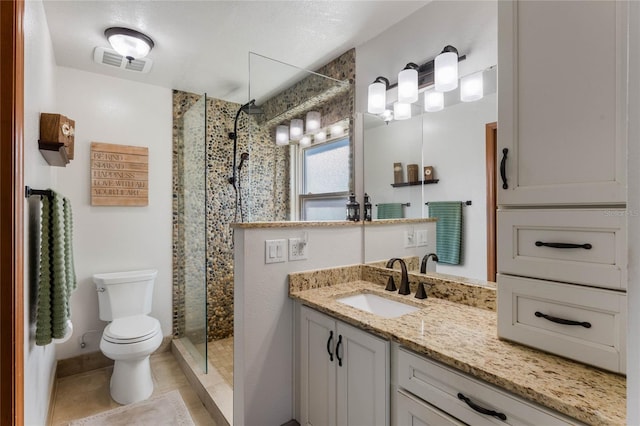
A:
(119, 175)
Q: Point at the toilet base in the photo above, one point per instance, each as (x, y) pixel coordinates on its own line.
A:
(131, 381)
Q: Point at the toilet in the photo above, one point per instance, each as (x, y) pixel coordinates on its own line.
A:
(124, 299)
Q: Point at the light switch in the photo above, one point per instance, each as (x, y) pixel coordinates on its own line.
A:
(275, 251)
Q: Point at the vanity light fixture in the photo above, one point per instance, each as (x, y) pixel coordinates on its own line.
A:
(433, 101)
(321, 136)
(337, 130)
(305, 140)
(282, 135)
(129, 43)
(295, 129)
(471, 87)
(401, 111)
(313, 121)
(446, 69)
(408, 84)
(377, 96)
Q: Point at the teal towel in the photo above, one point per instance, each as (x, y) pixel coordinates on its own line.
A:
(390, 211)
(448, 230)
(57, 277)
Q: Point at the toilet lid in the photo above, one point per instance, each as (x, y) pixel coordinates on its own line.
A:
(131, 329)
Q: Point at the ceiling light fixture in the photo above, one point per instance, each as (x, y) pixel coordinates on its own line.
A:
(129, 43)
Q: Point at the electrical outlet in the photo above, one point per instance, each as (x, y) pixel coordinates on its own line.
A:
(275, 251)
(297, 249)
(422, 238)
(409, 239)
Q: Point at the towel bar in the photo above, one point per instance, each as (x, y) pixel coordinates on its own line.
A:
(28, 192)
(464, 203)
(402, 204)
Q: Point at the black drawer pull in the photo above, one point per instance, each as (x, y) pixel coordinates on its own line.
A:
(329, 345)
(482, 410)
(503, 168)
(338, 349)
(584, 324)
(586, 246)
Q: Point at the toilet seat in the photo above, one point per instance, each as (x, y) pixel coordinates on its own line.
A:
(132, 329)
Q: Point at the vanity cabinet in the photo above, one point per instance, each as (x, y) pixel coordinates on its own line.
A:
(430, 393)
(562, 102)
(344, 373)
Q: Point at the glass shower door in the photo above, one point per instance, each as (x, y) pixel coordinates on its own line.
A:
(194, 226)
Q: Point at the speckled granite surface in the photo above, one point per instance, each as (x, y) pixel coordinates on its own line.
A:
(465, 337)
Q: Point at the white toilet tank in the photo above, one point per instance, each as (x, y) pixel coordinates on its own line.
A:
(122, 294)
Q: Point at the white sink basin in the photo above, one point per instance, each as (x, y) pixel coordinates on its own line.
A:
(377, 305)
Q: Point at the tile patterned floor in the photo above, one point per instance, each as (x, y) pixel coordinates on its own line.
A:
(87, 393)
(220, 353)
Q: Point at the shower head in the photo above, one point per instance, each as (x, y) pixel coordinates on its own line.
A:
(251, 108)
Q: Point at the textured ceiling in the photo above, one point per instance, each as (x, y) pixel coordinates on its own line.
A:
(203, 46)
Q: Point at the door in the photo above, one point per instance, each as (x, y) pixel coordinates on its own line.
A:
(362, 377)
(317, 368)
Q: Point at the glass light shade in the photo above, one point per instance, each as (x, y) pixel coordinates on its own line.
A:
(337, 130)
(387, 115)
(377, 98)
(471, 87)
(282, 135)
(433, 101)
(446, 71)
(321, 136)
(305, 141)
(408, 86)
(313, 121)
(295, 129)
(129, 46)
(401, 111)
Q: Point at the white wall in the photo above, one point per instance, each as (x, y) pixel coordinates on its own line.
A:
(39, 96)
(108, 239)
(263, 368)
(382, 242)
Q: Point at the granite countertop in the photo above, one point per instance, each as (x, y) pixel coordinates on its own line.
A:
(465, 337)
(327, 223)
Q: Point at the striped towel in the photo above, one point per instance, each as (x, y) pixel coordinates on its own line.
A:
(390, 211)
(57, 273)
(448, 230)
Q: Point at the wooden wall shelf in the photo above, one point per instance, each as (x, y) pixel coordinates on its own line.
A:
(420, 182)
(54, 152)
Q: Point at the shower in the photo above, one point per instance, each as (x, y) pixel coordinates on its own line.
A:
(249, 108)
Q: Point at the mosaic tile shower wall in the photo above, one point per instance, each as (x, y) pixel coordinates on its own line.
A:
(263, 188)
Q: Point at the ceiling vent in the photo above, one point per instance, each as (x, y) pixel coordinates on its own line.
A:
(111, 58)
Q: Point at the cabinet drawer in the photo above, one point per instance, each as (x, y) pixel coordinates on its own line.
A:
(441, 386)
(413, 411)
(528, 239)
(533, 312)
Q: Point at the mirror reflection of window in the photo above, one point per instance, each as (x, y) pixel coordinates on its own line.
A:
(324, 174)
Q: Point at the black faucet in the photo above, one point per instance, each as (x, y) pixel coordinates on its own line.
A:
(404, 280)
(423, 265)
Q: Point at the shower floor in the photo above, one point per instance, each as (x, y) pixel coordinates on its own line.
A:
(220, 354)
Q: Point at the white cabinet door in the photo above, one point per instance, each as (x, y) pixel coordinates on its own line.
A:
(317, 367)
(363, 377)
(344, 373)
(415, 412)
(562, 102)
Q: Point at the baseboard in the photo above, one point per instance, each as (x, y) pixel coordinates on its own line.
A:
(95, 360)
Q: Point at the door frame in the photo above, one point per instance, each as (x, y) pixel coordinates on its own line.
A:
(11, 212)
(491, 131)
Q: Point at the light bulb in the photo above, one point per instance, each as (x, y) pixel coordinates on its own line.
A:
(471, 87)
(282, 135)
(446, 70)
(401, 111)
(295, 129)
(321, 136)
(305, 141)
(433, 101)
(337, 130)
(377, 96)
(313, 121)
(408, 84)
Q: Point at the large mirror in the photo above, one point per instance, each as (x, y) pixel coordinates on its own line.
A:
(453, 144)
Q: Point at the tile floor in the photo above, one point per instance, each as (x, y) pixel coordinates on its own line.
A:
(220, 353)
(87, 393)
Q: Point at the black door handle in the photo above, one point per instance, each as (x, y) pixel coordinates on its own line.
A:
(338, 350)
(557, 320)
(503, 168)
(329, 345)
(586, 246)
(482, 410)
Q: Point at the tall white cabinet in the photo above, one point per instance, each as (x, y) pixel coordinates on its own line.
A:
(344, 373)
(562, 221)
